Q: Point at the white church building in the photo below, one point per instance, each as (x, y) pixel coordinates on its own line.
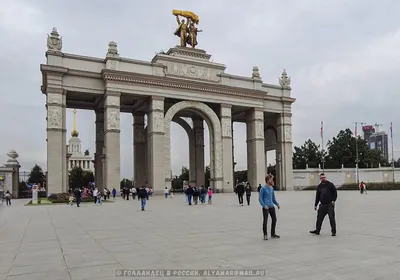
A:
(77, 157)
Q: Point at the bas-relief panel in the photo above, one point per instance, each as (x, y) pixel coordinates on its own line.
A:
(226, 127)
(157, 105)
(139, 136)
(158, 121)
(191, 71)
(287, 133)
(259, 116)
(259, 129)
(54, 98)
(113, 118)
(226, 112)
(113, 101)
(54, 117)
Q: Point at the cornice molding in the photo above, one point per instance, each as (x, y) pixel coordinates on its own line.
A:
(134, 78)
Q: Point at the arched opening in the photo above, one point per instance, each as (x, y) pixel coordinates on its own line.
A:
(214, 126)
(271, 160)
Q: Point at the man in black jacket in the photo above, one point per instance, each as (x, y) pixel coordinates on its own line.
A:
(326, 195)
(240, 193)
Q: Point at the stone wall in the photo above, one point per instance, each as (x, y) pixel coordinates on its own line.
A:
(310, 177)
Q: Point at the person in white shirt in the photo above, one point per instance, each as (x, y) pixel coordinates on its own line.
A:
(166, 192)
(95, 193)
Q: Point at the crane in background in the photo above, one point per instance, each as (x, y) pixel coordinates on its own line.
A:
(377, 127)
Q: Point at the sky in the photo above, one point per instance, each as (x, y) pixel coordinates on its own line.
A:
(343, 58)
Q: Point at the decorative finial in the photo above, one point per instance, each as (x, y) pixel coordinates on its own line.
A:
(12, 154)
(112, 49)
(54, 41)
(74, 132)
(256, 73)
(284, 81)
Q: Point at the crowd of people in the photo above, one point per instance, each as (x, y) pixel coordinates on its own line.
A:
(198, 194)
(325, 199)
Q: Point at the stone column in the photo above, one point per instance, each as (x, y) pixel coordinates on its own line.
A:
(226, 129)
(198, 131)
(139, 150)
(98, 163)
(255, 147)
(284, 153)
(112, 169)
(156, 148)
(67, 169)
(56, 141)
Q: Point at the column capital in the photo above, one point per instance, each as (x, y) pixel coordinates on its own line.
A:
(160, 98)
(225, 105)
(112, 93)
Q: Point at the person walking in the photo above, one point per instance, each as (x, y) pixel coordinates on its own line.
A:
(114, 193)
(166, 192)
(325, 196)
(189, 192)
(210, 195)
(363, 188)
(240, 192)
(95, 193)
(143, 196)
(196, 195)
(267, 200)
(8, 198)
(78, 196)
(134, 192)
(259, 188)
(248, 193)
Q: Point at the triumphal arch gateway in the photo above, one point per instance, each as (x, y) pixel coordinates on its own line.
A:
(175, 85)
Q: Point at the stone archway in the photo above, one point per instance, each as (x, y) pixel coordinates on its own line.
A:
(214, 126)
(192, 147)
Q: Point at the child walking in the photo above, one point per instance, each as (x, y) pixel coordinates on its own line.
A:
(71, 199)
(99, 198)
(210, 194)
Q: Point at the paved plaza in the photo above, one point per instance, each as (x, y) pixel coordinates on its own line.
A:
(60, 242)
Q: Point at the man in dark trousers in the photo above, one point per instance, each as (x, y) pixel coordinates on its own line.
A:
(143, 196)
(78, 196)
(240, 193)
(248, 193)
(326, 195)
(267, 200)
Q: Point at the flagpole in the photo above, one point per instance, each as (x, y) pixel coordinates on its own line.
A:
(391, 139)
(322, 146)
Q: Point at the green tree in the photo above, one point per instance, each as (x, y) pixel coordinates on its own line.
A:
(88, 177)
(342, 150)
(240, 176)
(75, 178)
(184, 174)
(126, 183)
(36, 176)
(309, 153)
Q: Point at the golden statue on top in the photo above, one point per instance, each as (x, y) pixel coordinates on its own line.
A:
(187, 31)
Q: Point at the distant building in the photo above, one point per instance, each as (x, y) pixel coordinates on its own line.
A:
(368, 131)
(377, 140)
(78, 158)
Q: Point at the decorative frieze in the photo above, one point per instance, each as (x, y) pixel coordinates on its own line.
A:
(190, 71)
(54, 117)
(158, 121)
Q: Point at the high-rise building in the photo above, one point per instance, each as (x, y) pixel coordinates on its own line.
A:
(377, 140)
(368, 131)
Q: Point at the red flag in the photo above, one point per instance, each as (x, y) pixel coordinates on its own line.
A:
(322, 129)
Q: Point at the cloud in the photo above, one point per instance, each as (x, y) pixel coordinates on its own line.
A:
(341, 55)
